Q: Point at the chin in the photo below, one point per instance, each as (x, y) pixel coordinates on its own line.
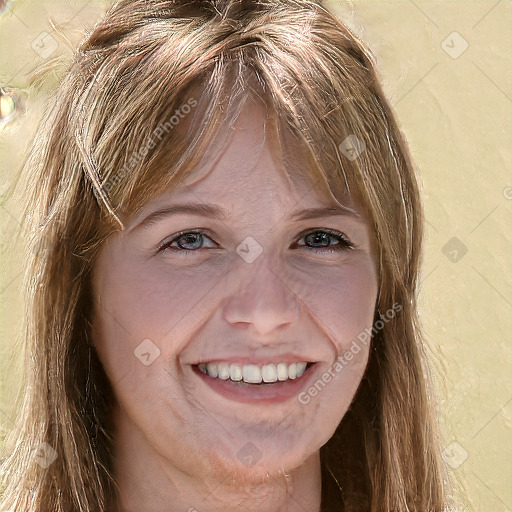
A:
(259, 474)
(251, 464)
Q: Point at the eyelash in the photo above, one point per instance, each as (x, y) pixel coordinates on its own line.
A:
(343, 245)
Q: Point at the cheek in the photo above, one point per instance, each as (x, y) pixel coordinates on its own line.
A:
(341, 301)
(137, 302)
(344, 309)
(162, 304)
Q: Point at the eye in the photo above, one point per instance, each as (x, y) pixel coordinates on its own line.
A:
(187, 241)
(321, 237)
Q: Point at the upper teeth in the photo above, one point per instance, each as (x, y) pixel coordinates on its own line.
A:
(252, 373)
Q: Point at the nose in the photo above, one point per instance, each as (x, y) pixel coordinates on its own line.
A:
(261, 298)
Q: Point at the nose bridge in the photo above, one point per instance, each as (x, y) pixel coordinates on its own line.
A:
(259, 295)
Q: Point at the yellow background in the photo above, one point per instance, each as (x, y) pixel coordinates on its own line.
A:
(454, 107)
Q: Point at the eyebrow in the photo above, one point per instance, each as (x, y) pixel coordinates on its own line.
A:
(217, 212)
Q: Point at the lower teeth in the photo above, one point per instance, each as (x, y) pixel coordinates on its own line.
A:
(253, 383)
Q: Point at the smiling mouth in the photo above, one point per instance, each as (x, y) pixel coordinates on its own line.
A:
(253, 374)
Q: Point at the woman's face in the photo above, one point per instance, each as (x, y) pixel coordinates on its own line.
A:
(258, 293)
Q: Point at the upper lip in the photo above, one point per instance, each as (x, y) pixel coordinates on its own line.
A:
(245, 359)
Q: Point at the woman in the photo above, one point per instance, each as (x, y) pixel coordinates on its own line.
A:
(222, 312)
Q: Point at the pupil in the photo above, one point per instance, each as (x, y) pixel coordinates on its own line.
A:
(190, 237)
(322, 238)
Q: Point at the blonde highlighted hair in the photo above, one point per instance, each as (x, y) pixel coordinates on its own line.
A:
(88, 172)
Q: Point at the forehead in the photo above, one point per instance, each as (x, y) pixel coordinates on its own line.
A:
(247, 165)
(252, 163)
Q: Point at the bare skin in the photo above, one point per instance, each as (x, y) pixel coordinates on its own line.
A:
(182, 445)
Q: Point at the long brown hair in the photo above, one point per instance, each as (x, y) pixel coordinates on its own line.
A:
(99, 156)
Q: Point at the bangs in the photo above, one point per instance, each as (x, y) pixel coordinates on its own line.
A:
(152, 120)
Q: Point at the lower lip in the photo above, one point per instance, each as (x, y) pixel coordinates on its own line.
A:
(257, 393)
